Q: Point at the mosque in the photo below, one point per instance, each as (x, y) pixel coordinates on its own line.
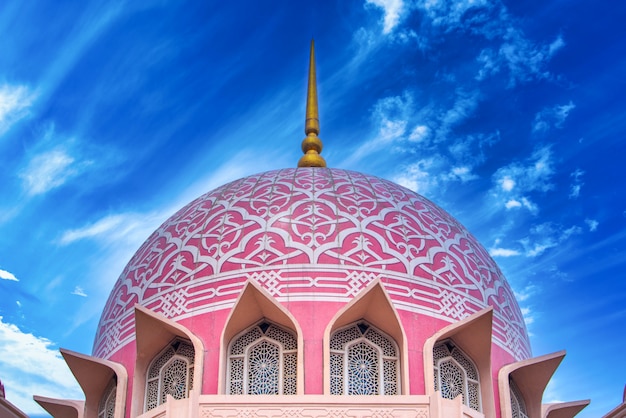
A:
(312, 292)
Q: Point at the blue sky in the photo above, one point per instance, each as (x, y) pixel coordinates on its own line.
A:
(510, 115)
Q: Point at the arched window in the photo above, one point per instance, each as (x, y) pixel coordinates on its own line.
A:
(363, 361)
(262, 360)
(518, 405)
(106, 408)
(456, 374)
(170, 373)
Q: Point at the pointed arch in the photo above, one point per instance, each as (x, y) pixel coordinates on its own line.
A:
(373, 306)
(530, 378)
(472, 336)
(253, 305)
(94, 375)
(154, 333)
(61, 408)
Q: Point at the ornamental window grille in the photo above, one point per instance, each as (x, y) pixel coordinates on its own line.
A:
(363, 361)
(106, 408)
(518, 406)
(170, 373)
(456, 374)
(263, 360)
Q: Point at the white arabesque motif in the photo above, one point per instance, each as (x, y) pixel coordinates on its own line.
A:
(341, 229)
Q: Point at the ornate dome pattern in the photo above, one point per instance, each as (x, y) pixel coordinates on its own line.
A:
(311, 234)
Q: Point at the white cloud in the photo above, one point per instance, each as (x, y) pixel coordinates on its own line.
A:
(545, 236)
(507, 183)
(556, 45)
(512, 204)
(532, 208)
(577, 184)
(419, 133)
(503, 252)
(574, 191)
(527, 314)
(489, 64)
(463, 108)
(552, 117)
(48, 170)
(32, 365)
(525, 293)
(392, 9)
(127, 227)
(416, 176)
(449, 13)
(7, 275)
(592, 224)
(526, 60)
(463, 173)
(14, 104)
(391, 129)
(78, 291)
(515, 180)
(104, 225)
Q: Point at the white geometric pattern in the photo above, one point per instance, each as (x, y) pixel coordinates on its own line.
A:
(170, 373)
(262, 360)
(363, 362)
(455, 375)
(106, 408)
(311, 234)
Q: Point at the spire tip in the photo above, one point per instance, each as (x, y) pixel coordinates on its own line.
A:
(312, 145)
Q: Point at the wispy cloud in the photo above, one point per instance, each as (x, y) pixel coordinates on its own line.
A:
(545, 236)
(55, 160)
(47, 171)
(503, 252)
(78, 291)
(526, 293)
(522, 202)
(528, 315)
(577, 184)
(525, 59)
(32, 365)
(392, 12)
(552, 117)
(449, 14)
(112, 225)
(592, 224)
(510, 49)
(418, 175)
(513, 182)
(7, 275)
(15, 102)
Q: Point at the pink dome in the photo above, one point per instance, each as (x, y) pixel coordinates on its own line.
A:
(311, 235)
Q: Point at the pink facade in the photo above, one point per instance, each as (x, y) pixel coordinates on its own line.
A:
(313, 239)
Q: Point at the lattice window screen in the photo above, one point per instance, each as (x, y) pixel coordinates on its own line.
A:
(518, 405)
(263, 360)
(363, 361)
(171, 373)
(456, 374)
(106, 408)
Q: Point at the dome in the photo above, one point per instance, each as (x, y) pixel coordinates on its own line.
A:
(313, 238)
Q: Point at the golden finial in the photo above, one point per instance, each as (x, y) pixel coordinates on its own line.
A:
(312, 145)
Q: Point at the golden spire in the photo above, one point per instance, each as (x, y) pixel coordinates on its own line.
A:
(312, 145)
